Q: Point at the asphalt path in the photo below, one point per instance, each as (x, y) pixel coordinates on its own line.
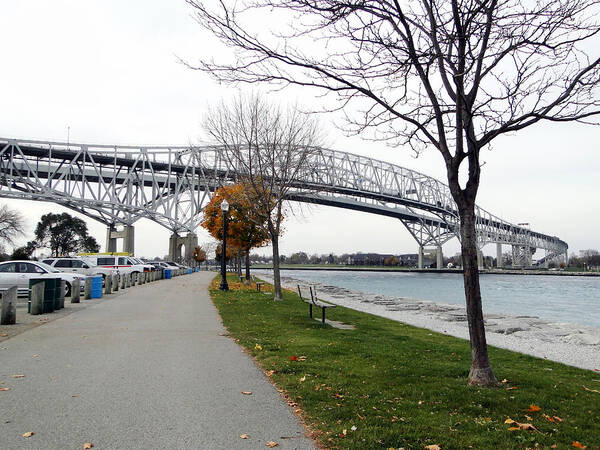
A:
(149, 368)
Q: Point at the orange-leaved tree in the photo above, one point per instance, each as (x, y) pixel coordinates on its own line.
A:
(245, 228)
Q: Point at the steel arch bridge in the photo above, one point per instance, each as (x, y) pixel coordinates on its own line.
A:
(117, 185)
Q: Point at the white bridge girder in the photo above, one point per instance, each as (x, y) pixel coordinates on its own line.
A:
(171, 185)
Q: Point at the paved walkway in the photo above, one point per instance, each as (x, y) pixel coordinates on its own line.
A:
(145, 369)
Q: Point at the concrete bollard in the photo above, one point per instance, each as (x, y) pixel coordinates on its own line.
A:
(87, 293)
(140, 278)
(115, 283)
(108, 284)
(75, 291)
(37, 299)
(122, 281)
(128, 280)
(61, 293)
(8, 316)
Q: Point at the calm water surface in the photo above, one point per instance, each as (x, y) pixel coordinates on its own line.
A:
(556, 298)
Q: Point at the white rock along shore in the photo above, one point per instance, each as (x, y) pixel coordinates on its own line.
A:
(567, 343)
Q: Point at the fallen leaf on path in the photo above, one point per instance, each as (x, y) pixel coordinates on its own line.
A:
(246, 392)
(19, 376)
(4, 389)
(28, 434)
(591, 390)
(270, 372)
(534, 408)
(578, 444)
(271, 444)
(244, 436)
(433, 447)
(88, 445)
(3, 334)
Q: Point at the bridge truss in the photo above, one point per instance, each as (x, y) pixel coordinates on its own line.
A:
(117, 185)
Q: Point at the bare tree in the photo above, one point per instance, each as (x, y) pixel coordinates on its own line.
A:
(452, 75)
(11, 224)
(269, 146)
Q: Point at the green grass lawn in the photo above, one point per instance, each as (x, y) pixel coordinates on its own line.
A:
(390, 385)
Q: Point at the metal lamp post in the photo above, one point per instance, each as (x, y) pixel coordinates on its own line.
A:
(225, 208)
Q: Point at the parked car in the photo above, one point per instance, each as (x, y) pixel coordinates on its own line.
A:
(18, 273)
(123, 264)
(78, 264)
(163, 265)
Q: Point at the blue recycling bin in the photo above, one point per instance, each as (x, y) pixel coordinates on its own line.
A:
(168, 274)
(189, 271)
(97, 287)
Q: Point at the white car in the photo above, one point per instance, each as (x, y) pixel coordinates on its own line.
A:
(78, 265)
(18, 273)
(122, 264)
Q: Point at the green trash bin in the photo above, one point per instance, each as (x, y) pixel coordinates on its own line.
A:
(57, 302)
(49, 294)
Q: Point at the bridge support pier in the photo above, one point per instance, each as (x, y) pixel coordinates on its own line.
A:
(439, 258)
(177, 243)
(420, 257)
(479, 259)
(127, 234)
(521, 255)
(499, 262)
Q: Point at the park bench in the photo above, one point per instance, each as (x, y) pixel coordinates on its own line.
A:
(308, 294)
(258, 283)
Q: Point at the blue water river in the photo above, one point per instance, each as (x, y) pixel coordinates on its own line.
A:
(556, 298)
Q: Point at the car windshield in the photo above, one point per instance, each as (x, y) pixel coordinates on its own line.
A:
(46, 267)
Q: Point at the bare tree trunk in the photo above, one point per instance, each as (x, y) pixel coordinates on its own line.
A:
(481, 373)
(248, 267)
(276, 276)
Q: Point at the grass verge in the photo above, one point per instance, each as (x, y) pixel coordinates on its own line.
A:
(390, 385)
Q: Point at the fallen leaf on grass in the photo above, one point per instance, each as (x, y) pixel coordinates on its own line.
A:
(88, 445)
(591, 390)
(293, 358)
(271, 444)
(520, 426)
(578, 444)
(28, 434)
(512, 388)
(303, 379)
(258, 347)
(528, 417)
(433, 447)
(534, 408)
(244, 436)
(505, 381)
(301, 358)
(246, 392)
(270, 372)
(19, 376)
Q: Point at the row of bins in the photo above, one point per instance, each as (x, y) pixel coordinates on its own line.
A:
(51, 300)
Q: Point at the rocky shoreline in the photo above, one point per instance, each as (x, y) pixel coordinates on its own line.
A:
(567, 343)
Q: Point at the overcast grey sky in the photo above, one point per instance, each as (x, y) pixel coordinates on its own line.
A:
(108, 70)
